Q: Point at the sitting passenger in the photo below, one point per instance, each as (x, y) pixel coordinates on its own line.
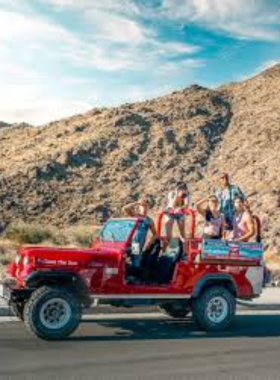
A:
(243, 223)
(215, 221)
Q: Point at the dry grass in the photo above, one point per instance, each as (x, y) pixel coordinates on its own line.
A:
(24, 233)
(272, 260)
(31, 233)
(8, 251)
(20, 233)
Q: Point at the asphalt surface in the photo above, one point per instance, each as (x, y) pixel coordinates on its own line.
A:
(145, 346)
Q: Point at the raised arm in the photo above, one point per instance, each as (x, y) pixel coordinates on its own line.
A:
(187, 201)
(172, 199)
(129, 209)
(199, 206)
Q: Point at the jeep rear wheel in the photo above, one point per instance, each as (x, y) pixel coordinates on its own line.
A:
(214, 309)
(52, 313)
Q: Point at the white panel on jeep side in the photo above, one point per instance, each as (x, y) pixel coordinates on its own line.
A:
(255, 276)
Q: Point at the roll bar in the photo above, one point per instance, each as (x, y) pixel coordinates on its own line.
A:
(192, 214)
(259, 226)
(187, 211)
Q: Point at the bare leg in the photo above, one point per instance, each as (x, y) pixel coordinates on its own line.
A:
(168, 230)
(182, 231)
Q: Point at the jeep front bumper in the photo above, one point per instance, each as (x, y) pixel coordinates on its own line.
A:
(10, 293)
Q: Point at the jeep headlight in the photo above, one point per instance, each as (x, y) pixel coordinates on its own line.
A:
(18, 259)
(26, 261)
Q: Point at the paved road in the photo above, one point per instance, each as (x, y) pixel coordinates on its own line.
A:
(145, 347)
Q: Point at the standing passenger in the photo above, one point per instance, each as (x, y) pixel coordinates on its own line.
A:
(226, 195)
(178, 201)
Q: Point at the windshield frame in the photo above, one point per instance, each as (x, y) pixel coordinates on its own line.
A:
(128, 236)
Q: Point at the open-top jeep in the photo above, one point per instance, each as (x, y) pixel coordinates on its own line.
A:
(50, 287)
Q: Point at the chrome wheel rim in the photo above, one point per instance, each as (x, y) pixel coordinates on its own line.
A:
(217, 309)
(55, 314)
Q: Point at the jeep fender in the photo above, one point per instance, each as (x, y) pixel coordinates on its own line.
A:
(60, 278)
(215, 279)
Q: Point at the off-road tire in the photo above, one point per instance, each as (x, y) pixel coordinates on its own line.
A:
(201, 308)
(38, 299)
(174, 311)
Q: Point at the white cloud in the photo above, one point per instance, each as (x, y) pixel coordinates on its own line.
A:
(141, 93)
(33, 47)
(174, 48)
(267, 65)
(109, 19)
(174, 67)
(119, 23)
(116, 28)
(17, 27)
(264, 66)
(42, 111)
(248, 19)
(125, 7)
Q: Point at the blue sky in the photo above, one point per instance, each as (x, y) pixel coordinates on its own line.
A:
(61, 57)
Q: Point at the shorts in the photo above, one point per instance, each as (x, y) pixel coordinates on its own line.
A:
(176, 217)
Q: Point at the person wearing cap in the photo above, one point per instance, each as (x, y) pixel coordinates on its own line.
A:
(226, 194)
(178, 200)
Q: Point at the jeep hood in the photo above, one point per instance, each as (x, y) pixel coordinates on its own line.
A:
(78, 254)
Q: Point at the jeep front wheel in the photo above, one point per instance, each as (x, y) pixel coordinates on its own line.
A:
(52, 313)
(214, 309)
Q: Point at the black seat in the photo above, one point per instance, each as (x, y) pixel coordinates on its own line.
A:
(146, 271)
(166, 264)
(150, 259)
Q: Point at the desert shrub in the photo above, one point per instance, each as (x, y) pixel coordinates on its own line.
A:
(57, 237)
(82, 235)
(31, 233)
(6, 259)
(25, 233)
(8, 251)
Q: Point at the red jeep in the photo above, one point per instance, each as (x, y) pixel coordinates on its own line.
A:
(50, 287)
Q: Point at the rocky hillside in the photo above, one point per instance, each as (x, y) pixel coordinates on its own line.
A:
(86, 167)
